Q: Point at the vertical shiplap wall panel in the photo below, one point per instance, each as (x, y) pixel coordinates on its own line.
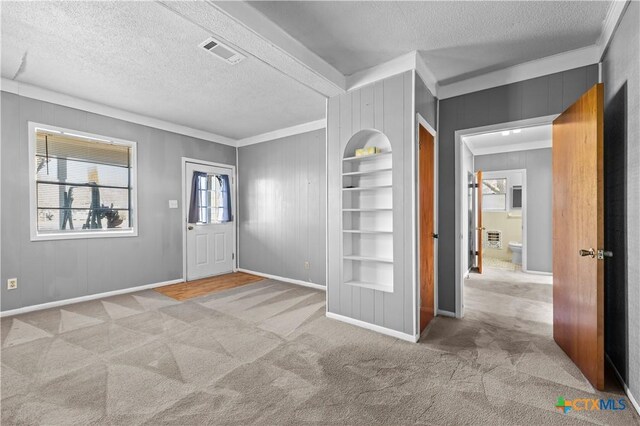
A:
(281, 219)
(517, 101)
(386, 106)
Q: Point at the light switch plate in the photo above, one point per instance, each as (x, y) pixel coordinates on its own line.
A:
(173, 204)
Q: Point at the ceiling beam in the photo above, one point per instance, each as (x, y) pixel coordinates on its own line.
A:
(243, 27)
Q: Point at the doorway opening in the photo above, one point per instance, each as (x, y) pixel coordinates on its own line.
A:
(505, 227)
(427, 222)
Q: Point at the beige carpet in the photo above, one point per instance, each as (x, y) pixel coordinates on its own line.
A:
(266, 354)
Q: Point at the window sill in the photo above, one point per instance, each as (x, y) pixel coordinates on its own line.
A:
(80, 235)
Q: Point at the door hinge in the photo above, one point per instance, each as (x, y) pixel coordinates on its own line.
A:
(604, 253)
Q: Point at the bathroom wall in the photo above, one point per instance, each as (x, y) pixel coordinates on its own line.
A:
(510, 223)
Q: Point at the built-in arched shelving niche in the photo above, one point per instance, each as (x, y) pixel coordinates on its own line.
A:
(367, 212)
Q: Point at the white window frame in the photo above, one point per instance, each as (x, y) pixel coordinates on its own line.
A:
(84, 234)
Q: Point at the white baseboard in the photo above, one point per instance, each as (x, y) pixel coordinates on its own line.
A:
(86, 298)
(286, 280)
(529, 271)
(634, 401)
(373, 327)
(446, 313)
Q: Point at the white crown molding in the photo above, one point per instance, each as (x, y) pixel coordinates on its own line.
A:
(402, 63)
(282, 133)
(426, 75)
(540, 67)
(39, 93)
(564, 61)
(241, 26)
(611, 21)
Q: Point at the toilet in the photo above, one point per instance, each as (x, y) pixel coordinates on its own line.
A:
(516, 252)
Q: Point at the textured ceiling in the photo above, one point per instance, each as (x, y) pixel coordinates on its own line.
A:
(143, 58)
(527, 138)
(458, 39)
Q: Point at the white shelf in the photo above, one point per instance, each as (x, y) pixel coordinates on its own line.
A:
(367, 210)
(367, 259)
(373, 286)
(363, 231)
(366, 188)
(367, 172)
(367, 157)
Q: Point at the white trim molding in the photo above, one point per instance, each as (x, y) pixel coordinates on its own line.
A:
(538, 68)
(185, 208)
(379, 329)
(563, 61)
(46, 95)
(407, 62)
(610, 24)
(284, 279)
(86, 298)
(282, 133)
(37, 235)
(632, 398)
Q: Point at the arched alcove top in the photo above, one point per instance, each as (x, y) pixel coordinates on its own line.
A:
(366, 138)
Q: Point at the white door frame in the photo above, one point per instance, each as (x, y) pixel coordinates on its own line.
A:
(185, 211)
(421, 121)
(461, 251)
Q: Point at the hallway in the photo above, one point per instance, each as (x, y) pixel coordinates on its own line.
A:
(507, 357)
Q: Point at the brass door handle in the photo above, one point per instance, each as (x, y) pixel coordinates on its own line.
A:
(481, 229)
(591, 252)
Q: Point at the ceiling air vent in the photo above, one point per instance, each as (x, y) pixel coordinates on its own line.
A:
(222, 51)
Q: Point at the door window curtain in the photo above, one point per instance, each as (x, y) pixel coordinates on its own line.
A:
(227, 215)
(210, 200)
(194, 204)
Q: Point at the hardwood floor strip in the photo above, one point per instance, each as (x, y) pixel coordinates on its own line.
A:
(202, 287)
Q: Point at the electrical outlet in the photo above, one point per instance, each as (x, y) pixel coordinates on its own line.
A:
(12, 283)
(307, 265)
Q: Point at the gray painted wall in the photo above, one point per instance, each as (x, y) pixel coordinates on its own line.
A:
(56, 270)
(386, 106)
(537, 97)
(426, 103)
(537, 162)
(621, 75)
(282, 207)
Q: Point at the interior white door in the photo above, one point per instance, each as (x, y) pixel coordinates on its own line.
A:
(210, 220)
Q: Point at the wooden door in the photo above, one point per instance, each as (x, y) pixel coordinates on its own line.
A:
(578, 233)
(479, 227)
(427, 237)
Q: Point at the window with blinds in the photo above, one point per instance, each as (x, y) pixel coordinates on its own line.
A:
(83, 184)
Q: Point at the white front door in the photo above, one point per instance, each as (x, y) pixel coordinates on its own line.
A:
(210, 223)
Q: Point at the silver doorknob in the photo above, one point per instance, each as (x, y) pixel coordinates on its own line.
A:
(190, 228)
(591, 252)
